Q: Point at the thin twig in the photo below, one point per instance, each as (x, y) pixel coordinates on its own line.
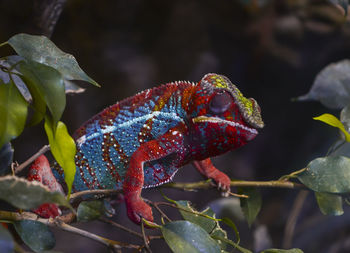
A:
(144, 236)
(121, 227)
(160, 211)
(292, 219)
(32, 159)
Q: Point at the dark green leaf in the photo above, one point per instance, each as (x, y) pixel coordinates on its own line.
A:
(329, 204)
(233, 244)
(35, 234)
(250, 206)
(13, 112)
(90, 210)
(63, 149)
(195, 217)
(184, 236)
(45, 84)
(6, 157)
(6, 241)
(43, 50)
(331, 86)
(327, 174)
(28, 195)
(282, 251)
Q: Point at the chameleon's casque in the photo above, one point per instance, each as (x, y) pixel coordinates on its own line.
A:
(143, 140)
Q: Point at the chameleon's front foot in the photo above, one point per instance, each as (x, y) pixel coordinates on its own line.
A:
(223, 182)
(48, 210)
(137, 208)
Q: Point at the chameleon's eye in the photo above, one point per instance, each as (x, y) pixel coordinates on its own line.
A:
(220, 102)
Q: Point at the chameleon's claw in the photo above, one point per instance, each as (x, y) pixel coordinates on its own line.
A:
(48, 210)
(137, 209)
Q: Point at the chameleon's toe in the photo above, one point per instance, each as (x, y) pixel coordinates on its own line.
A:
(223, 182)
(137, 209)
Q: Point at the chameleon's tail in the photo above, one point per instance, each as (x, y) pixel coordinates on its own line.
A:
(40, 171)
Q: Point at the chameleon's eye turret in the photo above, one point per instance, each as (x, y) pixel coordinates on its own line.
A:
(248, 107)
(220, 102)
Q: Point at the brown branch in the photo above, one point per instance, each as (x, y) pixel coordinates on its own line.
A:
(59, 223)
(32, 159)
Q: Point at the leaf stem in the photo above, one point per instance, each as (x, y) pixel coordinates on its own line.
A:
(4, 43)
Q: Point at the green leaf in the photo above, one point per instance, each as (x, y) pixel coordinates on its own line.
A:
(13, 112)
(206, 219)
(43, 50)
(35, 234)
(329, 204)
(6, 241)
(232, 243)
(28, 195)
(282, 251)
(195, 217)
(331, 86)
(90, 210)
(345, 117)
(184, 236)
(333, 121)
(250, 206)
(45, 84)
(63, 149)
(6, 158)
(329, 174)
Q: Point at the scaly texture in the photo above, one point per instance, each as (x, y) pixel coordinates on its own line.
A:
(141, 141)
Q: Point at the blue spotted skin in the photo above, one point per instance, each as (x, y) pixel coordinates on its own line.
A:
(176, 113)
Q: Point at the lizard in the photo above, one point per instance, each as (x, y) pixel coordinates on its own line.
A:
(142, 141)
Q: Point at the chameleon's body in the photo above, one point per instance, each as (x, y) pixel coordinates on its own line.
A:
(143, 140)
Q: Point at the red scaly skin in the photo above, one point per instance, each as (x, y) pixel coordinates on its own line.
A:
(144, 139)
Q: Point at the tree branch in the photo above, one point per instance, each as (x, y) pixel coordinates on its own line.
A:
(32, 159)
(59, 223)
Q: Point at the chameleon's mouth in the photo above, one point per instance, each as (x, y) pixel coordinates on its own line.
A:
(252, 131)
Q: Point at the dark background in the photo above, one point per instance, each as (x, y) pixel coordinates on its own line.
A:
(272, 50)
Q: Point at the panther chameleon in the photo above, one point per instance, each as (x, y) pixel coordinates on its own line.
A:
(142, 141)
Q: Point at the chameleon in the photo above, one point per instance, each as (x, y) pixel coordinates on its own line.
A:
(142, 141)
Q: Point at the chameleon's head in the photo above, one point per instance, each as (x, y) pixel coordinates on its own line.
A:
(222, 108)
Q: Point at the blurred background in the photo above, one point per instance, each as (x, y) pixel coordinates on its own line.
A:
(272, 50)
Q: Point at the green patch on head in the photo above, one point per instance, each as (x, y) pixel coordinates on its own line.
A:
(247, 106)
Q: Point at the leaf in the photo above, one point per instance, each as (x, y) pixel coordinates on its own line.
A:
(233, 244)
(333, 121)
(13, 112)
(6, 157)
(331, 86)
(90, 210)
(6, 241)
(35, 234)
(63, 149)
(227, 207)
(282, 251)
(210, 224)
(72, 88)
(345, 117)
(28, 195)
(11, 61)
(184, 236)
(329, 204)
(329, 174)
(43, 50)
(252, 205)
(45, 84)
(195, 217)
